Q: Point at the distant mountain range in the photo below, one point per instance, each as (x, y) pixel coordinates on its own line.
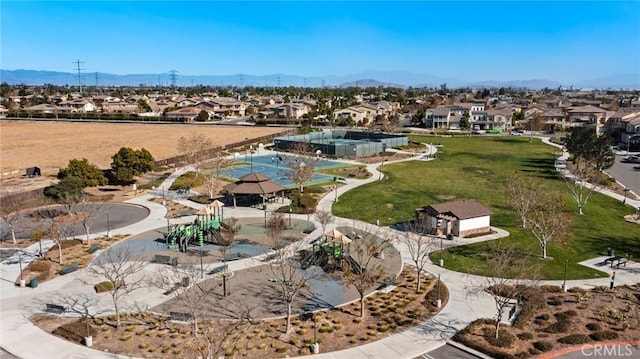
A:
(364, 79)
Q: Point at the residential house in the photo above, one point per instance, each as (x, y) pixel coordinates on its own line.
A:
(185, 114)
(583, 116)
(631, 136)
(438, 118)
(461, 218)
(499, 119)
(350, 115)
(79, 106)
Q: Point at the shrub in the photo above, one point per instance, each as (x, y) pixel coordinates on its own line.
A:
(533, 301)
(543, 346)
(551, 288)
(282, 349)
(593, 326)
(40, 266)
(106, 286)
(604, 335)
(574, 339)
(562, 326)
(504, 340)
(525, 336)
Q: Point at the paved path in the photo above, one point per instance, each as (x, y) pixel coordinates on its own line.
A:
(18, 335)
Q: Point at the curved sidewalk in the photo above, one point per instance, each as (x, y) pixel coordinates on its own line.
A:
(17, 333)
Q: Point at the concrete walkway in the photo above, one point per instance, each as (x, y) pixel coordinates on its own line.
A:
(18, 334)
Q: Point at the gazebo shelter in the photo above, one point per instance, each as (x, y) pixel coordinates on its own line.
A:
(251, 185)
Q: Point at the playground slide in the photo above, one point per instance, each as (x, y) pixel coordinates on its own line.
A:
(216, 234)
(355, 267)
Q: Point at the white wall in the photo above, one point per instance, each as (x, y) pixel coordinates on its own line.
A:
(473, 223)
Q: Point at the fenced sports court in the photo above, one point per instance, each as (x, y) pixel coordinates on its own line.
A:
(275, 167)
(343, 143)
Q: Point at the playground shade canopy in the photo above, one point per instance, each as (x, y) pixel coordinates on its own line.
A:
(254, 183)
(335, 236)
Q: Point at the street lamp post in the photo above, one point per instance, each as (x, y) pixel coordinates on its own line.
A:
(335, 188)
(377, 215)
(564, 281)
(22, 281)
(624, 200)
(441, 261)
(108, 226)
(290, 210)
(439, 300)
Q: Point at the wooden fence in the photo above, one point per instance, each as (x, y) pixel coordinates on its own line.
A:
(211, 152)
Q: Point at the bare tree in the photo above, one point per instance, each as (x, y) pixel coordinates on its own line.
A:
(54, 225)
(325, 218)
(213, 322)
(122, 267)
(509, 277)
(13, 221)
(193, 147)
(548, 221)
(285, 266)
(211, 173)
(228, 232)
(191, 296)
(87, 214)
(524, 195)
(365, 267)
(419, 246)
(302, 166)
(591, 155)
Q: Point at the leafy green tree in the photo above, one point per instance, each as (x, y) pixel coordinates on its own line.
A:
(128, 163)
(464, 121)
(203, 116)
(88, 173)
(144, 106)
(68, 190)
(592, 154)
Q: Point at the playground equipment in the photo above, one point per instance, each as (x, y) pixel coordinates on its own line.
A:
(201, 230)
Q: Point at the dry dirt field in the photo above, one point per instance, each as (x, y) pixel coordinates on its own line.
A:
(51, 144)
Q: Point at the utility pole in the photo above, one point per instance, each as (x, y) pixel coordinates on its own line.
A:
(173, 78)
(96, 80)
(78, 62)
(278, 81)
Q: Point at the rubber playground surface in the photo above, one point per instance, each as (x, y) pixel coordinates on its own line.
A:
(275, 167)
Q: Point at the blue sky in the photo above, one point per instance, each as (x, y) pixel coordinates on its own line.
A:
(563, 41)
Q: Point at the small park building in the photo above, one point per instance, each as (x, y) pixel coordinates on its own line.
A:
(464, 218)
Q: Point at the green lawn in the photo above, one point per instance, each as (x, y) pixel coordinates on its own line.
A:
(478, 168)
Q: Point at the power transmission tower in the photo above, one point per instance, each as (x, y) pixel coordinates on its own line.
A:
(78, 62)
(322, 83)
(173, 78)
(278, 81)
(241, 80)
(96, 80)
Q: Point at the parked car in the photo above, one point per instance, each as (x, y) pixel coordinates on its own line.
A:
(631, 159)
(515, 133)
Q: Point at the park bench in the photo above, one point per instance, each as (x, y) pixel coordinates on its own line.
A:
(219, 269)
(271, 257)
(55, 308)
(617, 261)
(69, 268)
(94, 248)
(180, 316)
(622, 262)
(162, 259)
(232, 257)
